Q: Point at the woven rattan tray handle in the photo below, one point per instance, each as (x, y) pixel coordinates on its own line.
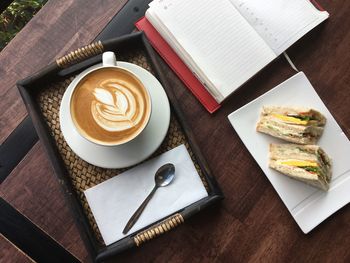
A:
(80, 54)
(158, 229)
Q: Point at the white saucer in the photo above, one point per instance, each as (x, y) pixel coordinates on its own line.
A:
(132, 152)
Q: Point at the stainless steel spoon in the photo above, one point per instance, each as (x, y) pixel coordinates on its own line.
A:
(163, 177)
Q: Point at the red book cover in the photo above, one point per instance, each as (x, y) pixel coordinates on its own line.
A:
(317, 5)
(179, 67)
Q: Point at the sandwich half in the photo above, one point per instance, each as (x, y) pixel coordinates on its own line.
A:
(306, 163)
(293, 124)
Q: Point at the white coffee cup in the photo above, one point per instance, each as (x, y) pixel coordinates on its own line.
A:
(109, 105)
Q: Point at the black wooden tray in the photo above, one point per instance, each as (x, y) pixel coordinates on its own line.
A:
(42, 93)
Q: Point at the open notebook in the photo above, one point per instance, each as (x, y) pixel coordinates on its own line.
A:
(224, 43)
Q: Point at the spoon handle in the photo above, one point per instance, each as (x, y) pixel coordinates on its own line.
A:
(138, 212)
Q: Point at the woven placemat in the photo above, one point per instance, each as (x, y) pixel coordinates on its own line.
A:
(83, 174)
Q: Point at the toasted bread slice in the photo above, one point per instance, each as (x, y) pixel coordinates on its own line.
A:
(307, 163)
(297, 125)
(301, 113)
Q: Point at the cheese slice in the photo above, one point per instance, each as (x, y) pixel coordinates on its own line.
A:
(290, 119)
(299, 163)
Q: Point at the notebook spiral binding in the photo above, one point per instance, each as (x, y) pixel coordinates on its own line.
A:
(158, 229)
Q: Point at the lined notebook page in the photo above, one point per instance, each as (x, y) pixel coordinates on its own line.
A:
(280, 22)
(213, 39)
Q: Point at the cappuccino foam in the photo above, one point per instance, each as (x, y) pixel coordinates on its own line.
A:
(110, 106)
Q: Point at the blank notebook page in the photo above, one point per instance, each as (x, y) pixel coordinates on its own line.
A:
(217, 40)
(280, 22)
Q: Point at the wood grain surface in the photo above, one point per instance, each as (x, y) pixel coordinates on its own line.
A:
(251, 224)
(59, 27)
(45, 206)
(10, 253)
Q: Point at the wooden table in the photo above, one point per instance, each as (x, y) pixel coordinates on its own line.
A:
(251, 224)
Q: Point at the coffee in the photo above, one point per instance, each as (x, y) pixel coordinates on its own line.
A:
(110, 106)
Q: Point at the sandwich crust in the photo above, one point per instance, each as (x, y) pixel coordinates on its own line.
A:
(292, 124)
(307, 163)
(295, 111)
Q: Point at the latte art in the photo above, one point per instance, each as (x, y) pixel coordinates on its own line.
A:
(115, 107)
(110, 106)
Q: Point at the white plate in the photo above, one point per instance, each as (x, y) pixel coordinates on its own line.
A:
(132, 152)
(308, 206)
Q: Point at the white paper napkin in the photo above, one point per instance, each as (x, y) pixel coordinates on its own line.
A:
(114, 201)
